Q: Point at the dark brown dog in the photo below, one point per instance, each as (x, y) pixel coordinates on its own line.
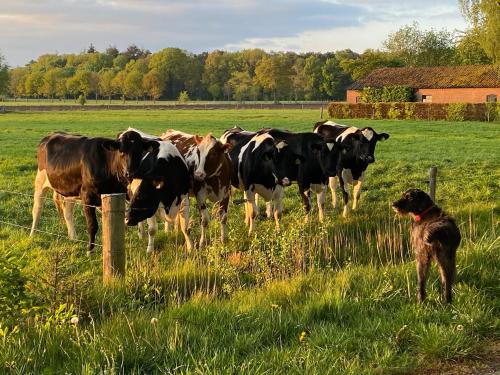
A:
(434, 236)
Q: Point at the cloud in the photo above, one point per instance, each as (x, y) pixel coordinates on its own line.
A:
(30, 28)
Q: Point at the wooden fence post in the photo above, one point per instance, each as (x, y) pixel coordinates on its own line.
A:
(113, 236)
(432, 182)
(321, 113)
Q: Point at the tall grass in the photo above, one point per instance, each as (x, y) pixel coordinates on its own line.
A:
(332, 297)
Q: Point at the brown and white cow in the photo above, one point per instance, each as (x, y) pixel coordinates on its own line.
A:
(210, 170)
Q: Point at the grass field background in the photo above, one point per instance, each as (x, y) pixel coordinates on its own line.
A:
(337, 297)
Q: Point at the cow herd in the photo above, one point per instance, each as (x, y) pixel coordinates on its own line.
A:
(160, 173)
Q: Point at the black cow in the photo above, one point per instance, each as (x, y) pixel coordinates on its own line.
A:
(254, 159)
(159, 176)
(79, 167)
(356, 151)
(307, 153)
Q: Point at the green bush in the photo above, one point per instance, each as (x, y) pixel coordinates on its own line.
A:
(492, 111)
(82, 100)
(377, 114)
(387, 94)
(12, 288)
(409, 111)
(346, 111)
(183, 97)
(456, 111)
(394, 112)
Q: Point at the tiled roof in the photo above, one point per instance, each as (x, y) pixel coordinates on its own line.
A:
(433, 77)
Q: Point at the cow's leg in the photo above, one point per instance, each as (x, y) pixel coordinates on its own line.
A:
(59, 203)
(90, 218)
(306, 202)
(183, 219)
(356, 192)
(251, 211)
(320, 191)
(269, 209)
(332, 183)
(152, 230)
(205, 219)
(167, 225)
(345, 195)
(140, 230)
(247, 218)
(257, 207)
(223, 205)
(68, 212)
(41, 186)
(277, 205)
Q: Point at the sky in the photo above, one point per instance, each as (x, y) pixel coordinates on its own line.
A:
(29, 28)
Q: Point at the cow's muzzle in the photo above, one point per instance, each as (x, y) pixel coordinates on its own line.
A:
(199, 176)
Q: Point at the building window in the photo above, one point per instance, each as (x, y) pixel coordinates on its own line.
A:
(426, 98)
(358, 99)
(492, 98)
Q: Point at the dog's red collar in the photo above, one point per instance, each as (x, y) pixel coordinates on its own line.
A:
(421, 215)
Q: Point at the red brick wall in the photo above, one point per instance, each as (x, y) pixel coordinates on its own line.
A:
(351, 95)
(476, 95)
(469, 95)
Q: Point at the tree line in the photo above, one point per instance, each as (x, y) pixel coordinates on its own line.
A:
(251, 74)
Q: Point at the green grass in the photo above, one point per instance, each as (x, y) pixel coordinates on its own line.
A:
(349, 284)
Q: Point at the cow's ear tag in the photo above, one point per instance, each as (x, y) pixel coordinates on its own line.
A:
(297, 161)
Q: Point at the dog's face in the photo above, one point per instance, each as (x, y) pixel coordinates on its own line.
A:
(413, 201)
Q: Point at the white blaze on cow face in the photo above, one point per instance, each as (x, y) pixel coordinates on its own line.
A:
(204, 148)
(330, 146)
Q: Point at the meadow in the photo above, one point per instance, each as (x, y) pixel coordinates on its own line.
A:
(336, 297)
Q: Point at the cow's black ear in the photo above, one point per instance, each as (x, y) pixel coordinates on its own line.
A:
(111, 145)
(150, 145)
(383, 136)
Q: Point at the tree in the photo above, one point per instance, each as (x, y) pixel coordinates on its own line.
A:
(415, 47)
(153, 84)
(17, 80)
(4, 76)
(367, 62)
(73, 86)
(335, 80)
(299, 79)
(91, 49)
(33, 84)
(484, 16)
(312, 69)
(216, 73)
(106, 83)
(274, 74)
(241, 85)
(119, 84)
(133, 85)
(112, 51)
(50, 79)
(469, 51)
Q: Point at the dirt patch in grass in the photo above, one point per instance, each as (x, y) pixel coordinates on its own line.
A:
(487, 363)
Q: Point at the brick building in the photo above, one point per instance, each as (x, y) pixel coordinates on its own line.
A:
(436, 84)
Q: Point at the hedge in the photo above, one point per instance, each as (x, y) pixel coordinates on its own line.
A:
(416, 111)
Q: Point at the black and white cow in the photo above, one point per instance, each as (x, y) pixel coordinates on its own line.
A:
(254, 170)
(160, 181)
(356, 151)
(303, 164)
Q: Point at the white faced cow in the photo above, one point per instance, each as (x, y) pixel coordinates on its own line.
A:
(210, 174)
